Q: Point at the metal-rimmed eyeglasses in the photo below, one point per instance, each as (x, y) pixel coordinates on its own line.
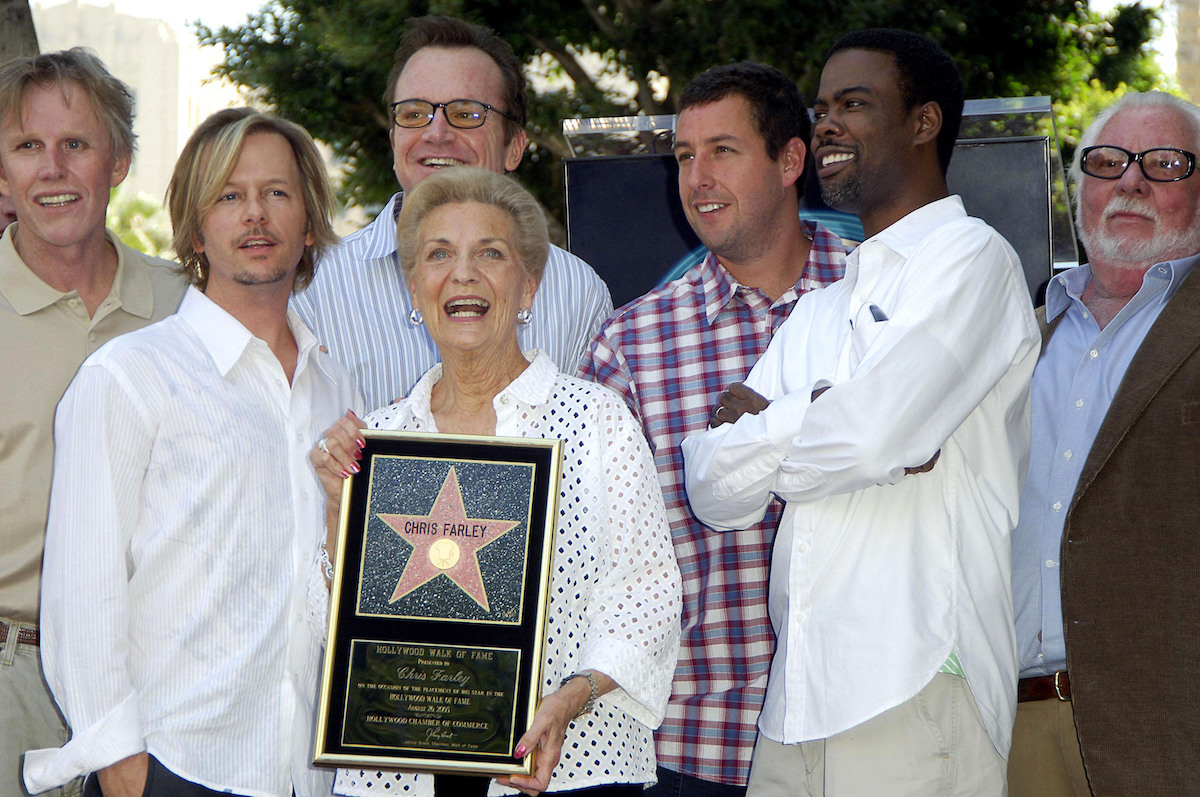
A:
(1161, 164)
(463, 114)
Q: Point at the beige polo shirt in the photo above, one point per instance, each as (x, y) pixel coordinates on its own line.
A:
(44, 336)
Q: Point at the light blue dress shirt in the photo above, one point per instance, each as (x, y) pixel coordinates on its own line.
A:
(358, 306)
(1073, 385)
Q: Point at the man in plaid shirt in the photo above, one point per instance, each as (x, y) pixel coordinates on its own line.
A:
(741, 147)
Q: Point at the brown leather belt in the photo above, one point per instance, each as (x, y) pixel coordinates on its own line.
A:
(1045, 687)
(27, 636)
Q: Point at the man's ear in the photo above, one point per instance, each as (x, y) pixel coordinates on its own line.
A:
(792, 158)
(120, 169)
(929, 123)
(514, 150)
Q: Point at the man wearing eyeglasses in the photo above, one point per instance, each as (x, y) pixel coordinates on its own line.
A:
(1106, 566)
(455, 96)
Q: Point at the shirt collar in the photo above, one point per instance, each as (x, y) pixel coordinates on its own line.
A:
(1069, 285)
(718, 286)
(381, 233)
(27, 293)
(532, 387)
(226, 339)
(222, 335)
(903, 236)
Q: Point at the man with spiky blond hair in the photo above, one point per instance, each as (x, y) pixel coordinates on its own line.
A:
(183, 591)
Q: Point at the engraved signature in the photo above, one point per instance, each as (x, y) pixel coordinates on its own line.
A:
(438, 735)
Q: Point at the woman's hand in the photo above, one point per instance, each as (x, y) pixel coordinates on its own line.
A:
(336, 456)
(549, 729)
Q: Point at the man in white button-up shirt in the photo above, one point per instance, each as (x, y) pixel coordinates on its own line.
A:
(455, 97)
(891, 414)
(182, 578)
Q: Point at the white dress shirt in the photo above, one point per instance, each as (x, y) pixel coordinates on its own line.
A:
(929, 344)
(184, 525)
(358, 305)
(614, 599)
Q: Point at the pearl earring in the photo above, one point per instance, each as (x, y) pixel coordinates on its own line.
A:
(524, 315)
(415, 318)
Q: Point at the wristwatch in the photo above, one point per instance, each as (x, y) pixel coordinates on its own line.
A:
(591, 701)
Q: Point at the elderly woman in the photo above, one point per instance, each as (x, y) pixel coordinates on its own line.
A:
(473, 245)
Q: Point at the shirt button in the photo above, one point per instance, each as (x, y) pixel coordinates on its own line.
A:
(1067, 454)
(504, 399)
(1079, 403)
(73, 302)
(1057, 505)
(1051, 563)
(1093, 354)
(1085, 314)
(1039, 656)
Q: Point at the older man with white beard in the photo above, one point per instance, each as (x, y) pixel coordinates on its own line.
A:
(1105, 560)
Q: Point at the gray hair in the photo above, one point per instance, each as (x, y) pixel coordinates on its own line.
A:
(1135, 99)
(111, 99)
(472, 184)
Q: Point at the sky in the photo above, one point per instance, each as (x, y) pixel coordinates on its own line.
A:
(178, 13)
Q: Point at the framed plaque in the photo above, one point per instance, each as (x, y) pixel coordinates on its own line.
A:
(438, 604)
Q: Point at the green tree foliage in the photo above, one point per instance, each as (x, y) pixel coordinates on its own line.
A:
(324, 63)
(140, 223)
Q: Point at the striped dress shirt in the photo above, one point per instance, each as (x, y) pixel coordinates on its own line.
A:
(670, 354)
(358, 306)
(178, 589)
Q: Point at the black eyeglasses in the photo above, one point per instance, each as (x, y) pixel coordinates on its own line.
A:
(463, 114)
(1162, 164)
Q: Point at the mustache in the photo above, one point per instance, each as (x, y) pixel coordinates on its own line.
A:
(828, 141)
(1126, 204)
(257, 232)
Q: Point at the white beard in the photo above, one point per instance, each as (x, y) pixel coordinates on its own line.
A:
(1138, 254)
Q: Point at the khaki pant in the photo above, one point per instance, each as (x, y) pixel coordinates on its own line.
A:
(933, 745)
(1045, 759)
(30, 718)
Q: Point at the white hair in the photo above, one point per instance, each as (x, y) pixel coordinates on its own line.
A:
(1135, 99)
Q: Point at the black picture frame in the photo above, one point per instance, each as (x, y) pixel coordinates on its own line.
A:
(438, 604)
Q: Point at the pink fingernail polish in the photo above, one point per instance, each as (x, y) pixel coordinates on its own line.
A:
(354, 467)
(520, 751)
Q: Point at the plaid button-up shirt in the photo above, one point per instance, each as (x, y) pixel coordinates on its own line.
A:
(670, 354)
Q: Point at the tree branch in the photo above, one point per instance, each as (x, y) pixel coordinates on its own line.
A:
(603, 22)
(570, 64)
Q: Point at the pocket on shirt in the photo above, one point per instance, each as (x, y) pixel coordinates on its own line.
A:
(862, 337)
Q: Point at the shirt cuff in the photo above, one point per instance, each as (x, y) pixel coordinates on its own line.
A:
(117, 735)
(643, 680)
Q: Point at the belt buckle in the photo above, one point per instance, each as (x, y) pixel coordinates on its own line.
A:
(1058, 687)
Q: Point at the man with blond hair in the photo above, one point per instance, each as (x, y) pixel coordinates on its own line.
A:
(183, 583)
(67, 286)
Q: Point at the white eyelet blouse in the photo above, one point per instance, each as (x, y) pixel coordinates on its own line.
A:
(615, 590)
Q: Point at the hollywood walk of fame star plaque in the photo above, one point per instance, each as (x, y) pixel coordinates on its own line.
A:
(438, 603)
